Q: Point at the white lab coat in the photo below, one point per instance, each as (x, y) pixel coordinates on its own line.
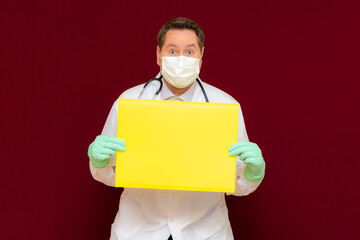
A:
(147, 214)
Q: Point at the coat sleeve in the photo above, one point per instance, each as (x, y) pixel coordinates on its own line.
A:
(242, 186)
(107, 175)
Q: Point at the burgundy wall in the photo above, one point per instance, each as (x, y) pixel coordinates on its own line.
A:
(293, 65)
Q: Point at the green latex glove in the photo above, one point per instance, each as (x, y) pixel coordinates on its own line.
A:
(102, 148)
(250, 154)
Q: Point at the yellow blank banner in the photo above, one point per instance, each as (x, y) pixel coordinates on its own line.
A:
(176, 145)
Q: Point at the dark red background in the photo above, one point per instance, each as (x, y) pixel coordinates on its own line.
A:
(293, 66)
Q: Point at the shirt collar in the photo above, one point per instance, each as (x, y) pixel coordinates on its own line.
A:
(166, 93)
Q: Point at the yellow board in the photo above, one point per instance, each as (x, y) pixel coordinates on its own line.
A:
(176, 145)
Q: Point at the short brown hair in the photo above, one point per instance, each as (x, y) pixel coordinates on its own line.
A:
(181, 23)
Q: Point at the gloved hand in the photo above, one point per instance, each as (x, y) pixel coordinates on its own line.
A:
(250, 153)
(102, 148)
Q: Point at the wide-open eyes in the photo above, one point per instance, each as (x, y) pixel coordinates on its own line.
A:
(173, 52)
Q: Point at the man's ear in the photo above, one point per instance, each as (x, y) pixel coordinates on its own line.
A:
(158, 56)
(202, 54)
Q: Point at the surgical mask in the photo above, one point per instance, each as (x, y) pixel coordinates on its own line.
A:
(180, 71)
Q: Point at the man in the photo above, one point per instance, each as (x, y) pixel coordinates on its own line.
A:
(156, 214)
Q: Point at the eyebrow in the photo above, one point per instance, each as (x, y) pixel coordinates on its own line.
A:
(171, 45)
(174, 45)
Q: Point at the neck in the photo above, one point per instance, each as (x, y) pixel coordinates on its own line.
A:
(177, 91)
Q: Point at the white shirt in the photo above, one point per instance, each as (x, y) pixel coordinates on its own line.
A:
(148, 214)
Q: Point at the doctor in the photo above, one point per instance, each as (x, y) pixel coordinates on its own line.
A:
(147, 214)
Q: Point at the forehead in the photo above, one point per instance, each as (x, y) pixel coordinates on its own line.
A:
(180, 38)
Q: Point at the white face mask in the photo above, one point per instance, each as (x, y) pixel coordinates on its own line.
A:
(180, 71)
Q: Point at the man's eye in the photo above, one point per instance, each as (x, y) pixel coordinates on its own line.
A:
(190, 52)
(172, 52)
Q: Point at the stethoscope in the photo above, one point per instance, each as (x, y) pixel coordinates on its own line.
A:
(161, 85)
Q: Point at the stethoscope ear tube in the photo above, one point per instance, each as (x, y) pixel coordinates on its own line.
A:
(161, 85)
(147, 83)
(203, 90)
